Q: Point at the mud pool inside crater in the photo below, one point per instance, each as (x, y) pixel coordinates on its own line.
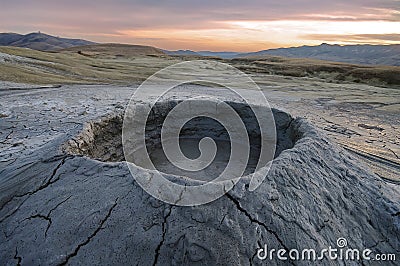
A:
(101, 140)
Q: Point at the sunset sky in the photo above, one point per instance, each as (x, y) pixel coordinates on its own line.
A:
(229, 25)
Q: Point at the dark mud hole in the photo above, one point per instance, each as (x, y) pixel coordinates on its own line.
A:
(101, 139)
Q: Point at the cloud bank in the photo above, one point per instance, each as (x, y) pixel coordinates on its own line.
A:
(209, 25)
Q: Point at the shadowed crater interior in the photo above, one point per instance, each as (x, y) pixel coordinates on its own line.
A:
(102, 139)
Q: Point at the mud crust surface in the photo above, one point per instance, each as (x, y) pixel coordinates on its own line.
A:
(58, 209)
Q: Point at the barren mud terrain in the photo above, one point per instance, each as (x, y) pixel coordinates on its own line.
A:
(363, 119)
(340, 179)
(68, 197)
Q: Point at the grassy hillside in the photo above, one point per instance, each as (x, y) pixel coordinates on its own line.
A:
(125, 64)
(327, 70)
(30, 66)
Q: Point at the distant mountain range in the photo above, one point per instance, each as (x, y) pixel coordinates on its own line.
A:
(356, 54)
(224, 55)
(40, 41)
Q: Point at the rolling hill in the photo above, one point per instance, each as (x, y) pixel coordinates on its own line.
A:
(115, 49)
(39, 41)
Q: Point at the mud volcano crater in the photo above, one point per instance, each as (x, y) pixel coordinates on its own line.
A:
(102, 139)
